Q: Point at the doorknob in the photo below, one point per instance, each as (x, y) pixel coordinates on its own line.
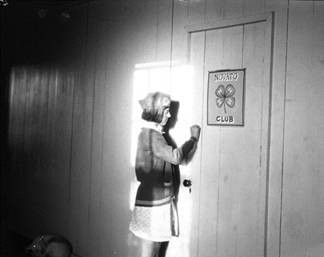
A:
(187, 183)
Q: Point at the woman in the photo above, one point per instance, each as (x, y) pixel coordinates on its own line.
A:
(155, 218)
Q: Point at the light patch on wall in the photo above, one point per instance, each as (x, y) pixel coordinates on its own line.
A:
(177, 82)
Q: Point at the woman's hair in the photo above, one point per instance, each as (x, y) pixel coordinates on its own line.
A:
(155, 115)
(153, 106)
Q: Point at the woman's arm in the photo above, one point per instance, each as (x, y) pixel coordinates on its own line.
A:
(164, 151)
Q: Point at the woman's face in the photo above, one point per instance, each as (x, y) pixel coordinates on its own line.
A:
(166, 116)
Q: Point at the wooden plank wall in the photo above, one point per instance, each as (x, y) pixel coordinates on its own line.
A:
(303, 202)
(70, 122)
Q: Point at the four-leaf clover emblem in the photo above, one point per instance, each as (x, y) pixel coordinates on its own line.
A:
(225, 96)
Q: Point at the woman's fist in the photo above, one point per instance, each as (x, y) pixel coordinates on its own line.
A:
(195, 131)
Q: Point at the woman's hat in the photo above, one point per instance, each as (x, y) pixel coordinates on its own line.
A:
(155, 101)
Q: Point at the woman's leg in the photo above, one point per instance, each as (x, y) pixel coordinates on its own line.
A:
(150, 248)
(163, 249)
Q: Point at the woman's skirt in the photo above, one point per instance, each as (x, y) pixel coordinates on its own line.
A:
(156, 223)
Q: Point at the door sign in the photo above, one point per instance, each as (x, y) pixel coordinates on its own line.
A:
(225, 100)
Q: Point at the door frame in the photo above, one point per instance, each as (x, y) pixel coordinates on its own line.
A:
(268, 19)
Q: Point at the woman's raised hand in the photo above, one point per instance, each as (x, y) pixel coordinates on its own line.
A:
(195, 131)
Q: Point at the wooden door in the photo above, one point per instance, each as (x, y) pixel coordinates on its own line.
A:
(230, 193)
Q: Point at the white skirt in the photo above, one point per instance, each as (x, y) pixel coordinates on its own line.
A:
(156, 223)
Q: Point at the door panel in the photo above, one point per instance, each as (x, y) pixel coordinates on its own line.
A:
(233, 177)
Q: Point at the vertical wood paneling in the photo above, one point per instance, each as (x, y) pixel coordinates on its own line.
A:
(60, 126)
(35, 152)
(233, 8)
(196, 11)
(179, 35)
(302, 201)
(116, 163)
(31, 171)
(214, 9)
(90, 188)
(164, 16)
(314, 138)
(210, 176)
(45, 192)
(145, 28)
(15, 188)
(277, 123)
(256, 60)
(43, 174)
(251, 7)
(106, 196)
(17, 119)
(81, 143)
(296, 187)
(95, 183)
(28, 129)
(96, 169)
(228, 207)
(197, 59)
